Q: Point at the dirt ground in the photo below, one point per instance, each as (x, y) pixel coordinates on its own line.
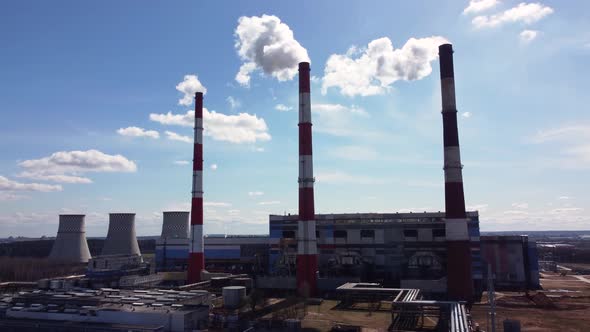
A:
(324, 316)
(568, 307)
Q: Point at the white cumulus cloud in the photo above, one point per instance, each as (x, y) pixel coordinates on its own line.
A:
(213, 167)
(380, 65)
(265, 43)
(67, 166)
(79, 162)
(138, 132)
(181, 162)
(466, 114)
(59, 178)
(7, 185)
(176, 137)
(239, 128)
(255, 193)
(476, 6)
(526, 13)
(188, 87)
(283, 108)
(527, 36)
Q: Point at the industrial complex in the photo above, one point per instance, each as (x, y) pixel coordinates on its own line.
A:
(425, 269)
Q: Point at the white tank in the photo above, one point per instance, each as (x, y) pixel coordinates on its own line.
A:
(70, 243)
(175, 225)
(121, 238)
(233, 296)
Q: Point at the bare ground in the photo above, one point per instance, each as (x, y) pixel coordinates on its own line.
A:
(569, 309)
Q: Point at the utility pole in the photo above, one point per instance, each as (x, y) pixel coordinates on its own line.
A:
(491, 299)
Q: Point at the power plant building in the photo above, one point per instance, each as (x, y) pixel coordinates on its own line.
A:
(394, 247)
(513, 260)
(107, 309)
(439, 253)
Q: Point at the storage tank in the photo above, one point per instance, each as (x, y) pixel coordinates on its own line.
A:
(246, 282)
(233, 296)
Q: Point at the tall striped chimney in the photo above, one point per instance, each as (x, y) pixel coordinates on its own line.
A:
(459, 279)
(196, 260)
(307, 261)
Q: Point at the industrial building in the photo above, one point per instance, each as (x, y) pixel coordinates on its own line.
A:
(411, 250)
(513, 261)
(437, 255)
(401, 249)
(105, 309)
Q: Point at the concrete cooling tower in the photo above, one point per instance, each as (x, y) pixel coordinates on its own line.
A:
(70, 244)
(121, 239)
(176, 225)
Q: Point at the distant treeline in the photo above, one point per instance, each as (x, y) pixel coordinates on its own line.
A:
(33, 269)
(42, 248)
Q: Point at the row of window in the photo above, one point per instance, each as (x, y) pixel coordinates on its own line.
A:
(368, 233)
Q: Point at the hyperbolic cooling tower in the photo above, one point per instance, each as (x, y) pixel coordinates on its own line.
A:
(70, 244)
(175, 225)
(121, 237)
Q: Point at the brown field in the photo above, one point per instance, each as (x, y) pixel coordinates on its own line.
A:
(324, 316)
(33, 269)
(568, 308)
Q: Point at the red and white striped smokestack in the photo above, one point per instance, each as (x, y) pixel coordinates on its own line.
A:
(307, 261)
(196, 260)
(459, 278)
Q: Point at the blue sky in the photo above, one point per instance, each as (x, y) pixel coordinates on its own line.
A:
(75, 76)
